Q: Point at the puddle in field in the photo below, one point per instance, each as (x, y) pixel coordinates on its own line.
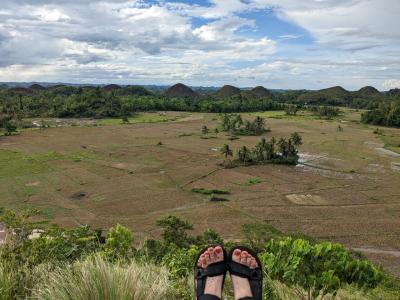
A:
(396, 167)
(387, 152)
(30, 184)
(375, 168)
(377, 251)
(316, 163)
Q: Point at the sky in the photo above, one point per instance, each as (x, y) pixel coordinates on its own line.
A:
(280, 44)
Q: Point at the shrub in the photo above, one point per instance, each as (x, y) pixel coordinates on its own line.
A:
(318, 269)
(118, 243)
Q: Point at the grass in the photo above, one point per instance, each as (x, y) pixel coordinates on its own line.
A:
(209, 192)
(96, 278)
(214, 198)
(280, 114)
(252, 181)
(13, 163)
(139, 118)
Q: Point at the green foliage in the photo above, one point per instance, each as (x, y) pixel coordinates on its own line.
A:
(282, 152)
(387, 114)
(74, 264)
(205, 130)
(118, 243)
(10, 127)
(258, 234)
(252, 181)
(325, 112)
(291, 110)
(175, 231)
(226, 151)
(235, 125)
(210, 192)
(318, 269)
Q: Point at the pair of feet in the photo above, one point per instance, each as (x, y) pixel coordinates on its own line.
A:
(241, 286)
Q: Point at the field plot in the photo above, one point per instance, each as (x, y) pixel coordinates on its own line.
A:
(346, 188)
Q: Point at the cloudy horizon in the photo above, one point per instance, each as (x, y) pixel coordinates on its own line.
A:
(284, 44)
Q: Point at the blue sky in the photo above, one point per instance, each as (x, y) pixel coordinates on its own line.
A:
(275, 43)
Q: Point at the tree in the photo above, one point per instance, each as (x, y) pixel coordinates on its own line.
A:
(296, 139)
(10, 127)
(244, 155)
(259, 125)
(175, 231)
(118, 243)
(226, 150)
(205, 130)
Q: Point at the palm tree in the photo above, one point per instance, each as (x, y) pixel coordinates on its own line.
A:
(259, 124)
(226, 151)
(205, 130)
(244, 155)
(296, 139)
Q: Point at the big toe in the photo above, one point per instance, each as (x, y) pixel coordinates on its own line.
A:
(236, 255)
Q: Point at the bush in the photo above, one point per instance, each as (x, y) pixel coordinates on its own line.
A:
(118, 243)
(318, 269)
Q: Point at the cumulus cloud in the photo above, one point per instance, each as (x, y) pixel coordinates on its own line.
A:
(355, 42)
(392, 84)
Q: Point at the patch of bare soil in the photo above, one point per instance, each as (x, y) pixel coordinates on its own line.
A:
(306, 199)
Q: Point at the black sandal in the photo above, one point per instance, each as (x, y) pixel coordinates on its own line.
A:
(200, 274)
(255, 276)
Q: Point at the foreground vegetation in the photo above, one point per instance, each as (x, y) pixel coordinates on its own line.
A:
(82, 264)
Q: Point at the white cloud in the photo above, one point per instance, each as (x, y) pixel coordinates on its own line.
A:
(356, 42)
(392, 84)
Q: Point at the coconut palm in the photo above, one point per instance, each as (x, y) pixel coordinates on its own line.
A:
(225, 150)
(296, 139)
(244, 155)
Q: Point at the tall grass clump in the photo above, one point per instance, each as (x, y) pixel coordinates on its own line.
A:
(7, 281)
(96, 278)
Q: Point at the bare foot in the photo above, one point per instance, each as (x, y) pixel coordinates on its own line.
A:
(213, 284)
(241, 286)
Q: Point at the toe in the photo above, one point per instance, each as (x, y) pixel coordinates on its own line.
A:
(253, 263)
(212, 254)
(236, 255)
(243, 257)
(219, 254)
(248, 261)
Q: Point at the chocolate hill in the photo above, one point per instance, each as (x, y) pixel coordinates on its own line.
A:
(261, 92)
(37, 87)
(368, 91)
(228, 91)
(111, 87)
(181, 90)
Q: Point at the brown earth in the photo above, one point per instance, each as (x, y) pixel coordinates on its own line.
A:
(346, 192)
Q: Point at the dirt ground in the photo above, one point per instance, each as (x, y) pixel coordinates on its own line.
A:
(346, 189)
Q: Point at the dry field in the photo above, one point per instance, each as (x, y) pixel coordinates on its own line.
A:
(347, 189)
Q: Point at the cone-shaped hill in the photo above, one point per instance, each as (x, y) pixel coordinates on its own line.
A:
(181, 90)
(329, 94)
(261, 92)
(112, 87)
(368, 91)
(228, 91)
(37, 87)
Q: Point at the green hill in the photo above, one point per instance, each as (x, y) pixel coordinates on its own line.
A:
(228, 91)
